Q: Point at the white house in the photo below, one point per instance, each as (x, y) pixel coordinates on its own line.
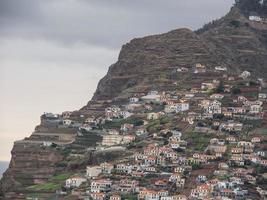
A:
(75, 181)
(245, 74)
(183, 106)
(101, 185)
(255, 18)
(220, 69)
(133, 100)
(67, 122)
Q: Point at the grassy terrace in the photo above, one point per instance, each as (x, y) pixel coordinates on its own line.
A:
(52, 185)
(197, 141)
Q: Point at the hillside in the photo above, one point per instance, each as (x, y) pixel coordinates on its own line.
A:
(172, 101)
(233, 41)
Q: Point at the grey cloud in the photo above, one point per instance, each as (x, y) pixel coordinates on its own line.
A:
(107, 23)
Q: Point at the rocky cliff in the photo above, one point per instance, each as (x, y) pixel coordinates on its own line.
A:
(232, 41)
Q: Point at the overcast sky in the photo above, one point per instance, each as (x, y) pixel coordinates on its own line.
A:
(53, 52)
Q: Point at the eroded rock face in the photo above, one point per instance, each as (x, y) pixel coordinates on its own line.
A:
(30, 164)
(232, 41)
(142, 61)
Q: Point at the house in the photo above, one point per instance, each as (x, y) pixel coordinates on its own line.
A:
(148, 194)
(201, 192)
(208, 86)
(153, 115)
(217, 96)
(174, 177)
(90, 120)
(255, 109)
(85, 127)
(237, 159)
(106, 168)
(220, 69)
(223, 166)
(245, 144)
(98, 195)
(256, 140)
(211, 107)
(127, 127)
(161, 183)
(214, 107)
(75, 181)
(255, 18)
(66, 114)
(182, 69)
(93, 171)
(181, 107)
(231, 139)
(263, 162)
(174, 197)
(231, 126)
(112, 112)
(123, 168)
(115, 197)
(140, 131)
(101, 185)
(199, 68)
(127, 139)
(221, 149)
(189, 95)
(262, 96)
(47, 143)
(151, 160)
(201, 179)
(152, 96)
(127, 185)
(245, 74)
(237, 150)
(133, 100)
(67, 122)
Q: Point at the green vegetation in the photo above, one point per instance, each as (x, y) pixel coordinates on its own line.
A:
(61, 177)
(235, 23)
(220, 88)
(155, 125)
(53, 184)
(236, 90)
(117, 123)
(197, 141)
(45, 187)
(130, 197)
(248, 6)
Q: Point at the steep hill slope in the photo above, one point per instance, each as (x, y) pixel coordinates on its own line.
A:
(232, 41)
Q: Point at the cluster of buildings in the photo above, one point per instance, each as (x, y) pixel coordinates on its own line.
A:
(168, 166)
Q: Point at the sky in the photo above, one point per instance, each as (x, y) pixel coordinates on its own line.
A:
(53, 52)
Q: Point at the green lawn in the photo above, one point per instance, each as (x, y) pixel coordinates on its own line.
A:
(45, 187)
(61, 177)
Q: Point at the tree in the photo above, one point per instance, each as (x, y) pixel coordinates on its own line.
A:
(220, 88)
(248, 6)
(236, 90)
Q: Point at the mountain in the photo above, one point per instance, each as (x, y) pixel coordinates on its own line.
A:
(232, 41)
(144, 64)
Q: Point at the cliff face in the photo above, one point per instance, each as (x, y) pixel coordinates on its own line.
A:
(142, 62)
(29, 165)
(232, 41)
